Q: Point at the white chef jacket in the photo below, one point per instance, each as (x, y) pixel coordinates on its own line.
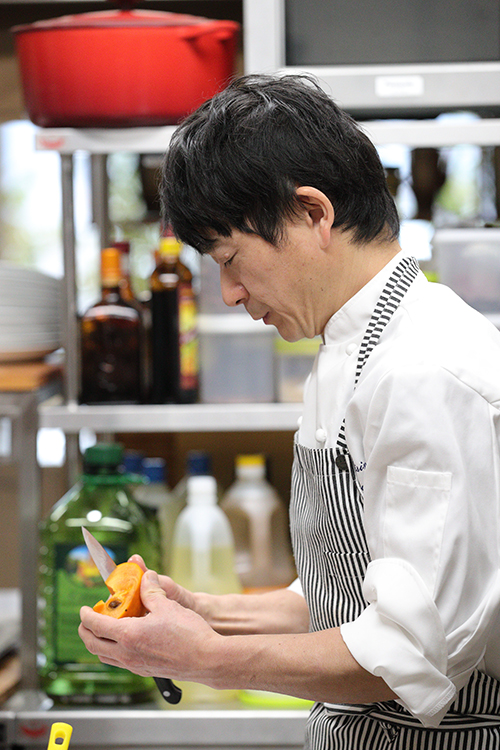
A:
(423, 429)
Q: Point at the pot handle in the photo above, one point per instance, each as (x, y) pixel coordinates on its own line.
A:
(220, 30)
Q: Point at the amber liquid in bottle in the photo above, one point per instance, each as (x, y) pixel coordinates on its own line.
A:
(111, 342)
(174, 337)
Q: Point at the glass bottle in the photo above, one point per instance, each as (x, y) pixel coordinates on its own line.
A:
(102, 502)
(125, 281)
(174, 334)
(111, 342)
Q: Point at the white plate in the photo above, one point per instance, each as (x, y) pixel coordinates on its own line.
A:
(28, 354)
(17, 343)
(38, 320)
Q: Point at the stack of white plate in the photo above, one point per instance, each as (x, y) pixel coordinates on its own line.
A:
(30, 313)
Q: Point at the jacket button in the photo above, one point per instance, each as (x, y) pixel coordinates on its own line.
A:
(341, 462)
(351, 348)
(321, 435)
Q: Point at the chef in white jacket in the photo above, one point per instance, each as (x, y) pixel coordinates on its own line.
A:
(393, 625)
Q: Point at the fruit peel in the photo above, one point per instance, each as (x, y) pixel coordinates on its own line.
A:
(124, 585)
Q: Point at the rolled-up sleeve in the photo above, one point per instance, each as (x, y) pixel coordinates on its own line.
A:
(400, 638)
(431, 506)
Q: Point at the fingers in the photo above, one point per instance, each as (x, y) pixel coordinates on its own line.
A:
(139, 561)
(97, 624)
(152, 593)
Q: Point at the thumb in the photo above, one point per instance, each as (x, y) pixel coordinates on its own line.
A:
(151, 590)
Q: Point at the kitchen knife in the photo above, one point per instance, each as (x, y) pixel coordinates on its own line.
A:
(105, 565)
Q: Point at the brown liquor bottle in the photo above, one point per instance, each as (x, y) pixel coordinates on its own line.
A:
(125, 280)
(111, 342)
(174, 334)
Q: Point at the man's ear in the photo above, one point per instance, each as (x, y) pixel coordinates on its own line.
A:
(319, 211)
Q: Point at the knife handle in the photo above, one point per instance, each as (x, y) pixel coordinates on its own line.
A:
(170, 692)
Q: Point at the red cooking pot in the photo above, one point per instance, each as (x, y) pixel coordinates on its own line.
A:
(123, 68)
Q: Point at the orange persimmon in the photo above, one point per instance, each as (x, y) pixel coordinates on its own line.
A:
(124, 585)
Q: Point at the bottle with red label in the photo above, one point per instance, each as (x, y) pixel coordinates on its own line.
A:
(174, 331)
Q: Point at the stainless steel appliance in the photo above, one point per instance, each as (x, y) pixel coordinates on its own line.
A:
(383, 58)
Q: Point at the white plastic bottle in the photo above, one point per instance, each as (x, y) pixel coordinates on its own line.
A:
(259, 521)
(198, 463)
(203, 560)
(264, 559)
(157, 500)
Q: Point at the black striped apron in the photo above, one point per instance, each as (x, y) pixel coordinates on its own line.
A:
(331, 554)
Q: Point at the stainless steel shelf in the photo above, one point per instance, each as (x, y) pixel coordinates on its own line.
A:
(412, 133)
(104, 141)
(435, 133)
(136, 728)
(171, 418)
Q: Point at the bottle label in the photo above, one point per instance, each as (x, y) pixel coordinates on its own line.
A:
(188, 338)
(77, 582)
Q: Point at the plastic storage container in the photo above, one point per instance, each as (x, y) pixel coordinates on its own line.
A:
(294, 362)
(468, 261)
(236, 359)
(259, 520)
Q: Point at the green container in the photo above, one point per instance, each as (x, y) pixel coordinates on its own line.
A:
(103, 502)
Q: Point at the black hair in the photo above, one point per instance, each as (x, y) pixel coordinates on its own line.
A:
(235, 163)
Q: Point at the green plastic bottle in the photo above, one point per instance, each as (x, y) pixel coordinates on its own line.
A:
(102, 502)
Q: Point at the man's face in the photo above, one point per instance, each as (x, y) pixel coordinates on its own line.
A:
(279, 285)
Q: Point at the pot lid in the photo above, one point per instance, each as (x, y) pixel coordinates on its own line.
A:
(123, 18)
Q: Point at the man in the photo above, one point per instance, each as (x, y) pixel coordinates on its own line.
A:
(395, 491)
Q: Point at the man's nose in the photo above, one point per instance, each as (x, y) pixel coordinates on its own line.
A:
(233, 293)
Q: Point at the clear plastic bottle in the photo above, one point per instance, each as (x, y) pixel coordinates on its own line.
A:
(198, 463)
(102, 502)
(203, 560)
(160, 508)
(260, 525)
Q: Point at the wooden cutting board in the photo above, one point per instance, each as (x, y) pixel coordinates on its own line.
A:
(27, 376)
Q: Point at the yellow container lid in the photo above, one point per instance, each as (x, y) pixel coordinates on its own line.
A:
(250, 459)
(304, 347)
(170, 247)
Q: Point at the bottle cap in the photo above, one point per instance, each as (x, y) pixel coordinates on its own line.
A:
(169, 247)
(199, 463)
(132, 462)
(251, 466)
(104, 454)
(250, 459)
(201, 490)
(122, 246)
(111, 271)
(154, 469)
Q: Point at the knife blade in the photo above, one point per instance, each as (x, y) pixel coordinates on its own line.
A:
(105, 565)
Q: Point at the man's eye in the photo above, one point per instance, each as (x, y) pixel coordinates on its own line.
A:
(228, 262)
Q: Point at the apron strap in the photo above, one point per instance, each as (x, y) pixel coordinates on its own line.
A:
(397, 285)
